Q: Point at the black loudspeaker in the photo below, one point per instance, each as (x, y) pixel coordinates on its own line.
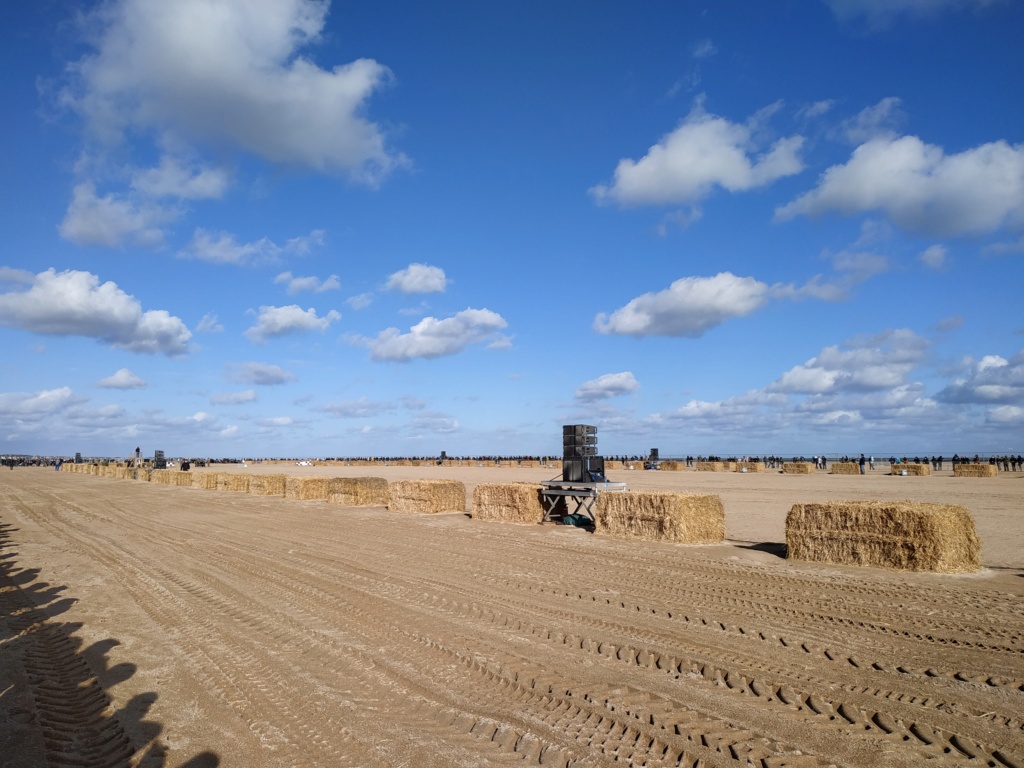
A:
(159, 462)
(654, 454)
(443, 455)
(573, 471)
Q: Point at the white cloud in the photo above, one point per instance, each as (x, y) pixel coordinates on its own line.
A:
(608, 385)
(432, 337)
(703, 49)
(233, 398)
(878, 121)
(209, 324)
(315, 284)
(281, 321)
(42, 403)
(260, 374)
(113, 220)
(123, 379)
(73, 303)
(361, 301)
(882, 13)
(934, 257)
(861, 364)
(921, 189)
(418, 278)
(990, 381)
(704, 152)
(1006, 414)
(173, 178)
(223, 248)
(689, 307)
(357, 409)
(231, 72)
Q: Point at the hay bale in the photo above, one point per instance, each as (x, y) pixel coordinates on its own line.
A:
(975, 470)
(900, 535)
(508, 502)
(798, 468)
(359, 491)
(205, 480)
(180, 479)
(672, 466)
(161, 476)
(915, 470)
(307, 488)
(687, 518)
(710, 466)
(267, 485)
(428, 496)
(845, 468)
(229, 481)
(750, 466)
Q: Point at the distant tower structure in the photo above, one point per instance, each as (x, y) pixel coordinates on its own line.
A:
(159, 462)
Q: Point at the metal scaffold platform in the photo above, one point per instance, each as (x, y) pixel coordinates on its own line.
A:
(584, 494)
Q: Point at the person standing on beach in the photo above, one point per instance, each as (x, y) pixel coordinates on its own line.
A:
(863, 461)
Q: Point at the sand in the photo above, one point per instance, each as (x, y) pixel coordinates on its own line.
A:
(152, 625)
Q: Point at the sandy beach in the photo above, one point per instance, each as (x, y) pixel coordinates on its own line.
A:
(149, 625)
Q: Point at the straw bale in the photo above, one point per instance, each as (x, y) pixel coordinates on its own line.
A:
(508, 502)
(608, 464)
(687, 518)
(900, 535)
(797, 468)
(710, 466)
(267, 485)
(229, 481)
(975, 470)
(750, 466)
(359, 491)
(205, 480)
(428, 496)
(672, 466)
(916, 470)
(161, 476)
(180, 479)
(307, 488)
(845, 468)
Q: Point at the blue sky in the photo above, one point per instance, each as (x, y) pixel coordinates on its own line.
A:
(299, 228)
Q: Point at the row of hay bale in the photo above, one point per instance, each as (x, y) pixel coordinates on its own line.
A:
(900, 535)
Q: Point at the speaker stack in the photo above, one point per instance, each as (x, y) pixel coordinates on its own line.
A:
(159, 462)
(580, 462)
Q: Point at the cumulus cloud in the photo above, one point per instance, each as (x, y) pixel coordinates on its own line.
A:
(261, 374)
(418, 278)
(123, 379)
(704, 152)
(294, 284)
(281, 321)
(878, 121)
(433, 337)
(934, 257)
(992, 380)
(606, 386)
(42, 403)
(228, 73)
(233, 398)
(861, 364)
(360, 301)
(689, 307)
(175, 178)
(73, 303)
(922, 189)
(223, 248)
(113, 220)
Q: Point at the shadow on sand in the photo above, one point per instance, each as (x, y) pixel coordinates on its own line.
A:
(770, 547)
(54, 705)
